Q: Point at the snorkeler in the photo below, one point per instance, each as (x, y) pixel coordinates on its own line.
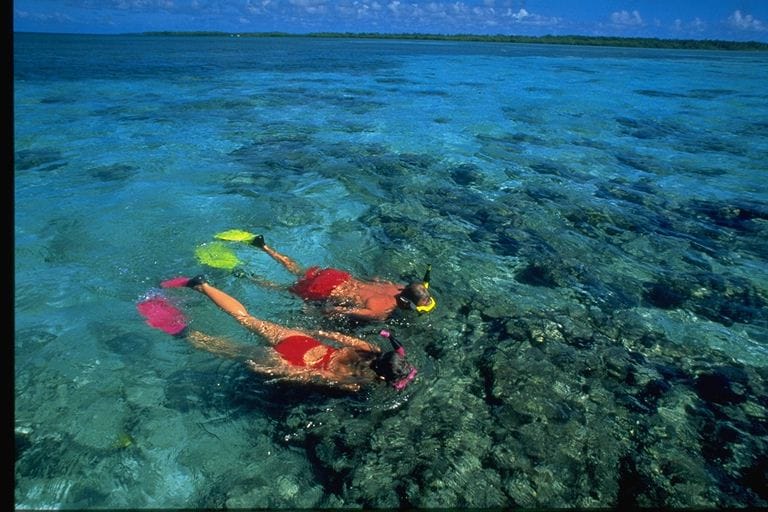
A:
(344, 295)
(295, 355)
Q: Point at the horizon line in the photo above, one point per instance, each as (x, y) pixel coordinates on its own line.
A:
(421, 35)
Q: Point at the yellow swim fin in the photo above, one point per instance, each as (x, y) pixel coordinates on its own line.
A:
(217, 255)
(235, 235)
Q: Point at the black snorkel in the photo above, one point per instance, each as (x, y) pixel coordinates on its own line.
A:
(432, 302)
(396, 345)
(399, 350)
(427, 275)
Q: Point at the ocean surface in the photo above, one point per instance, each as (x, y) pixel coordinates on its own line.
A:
(596, 220)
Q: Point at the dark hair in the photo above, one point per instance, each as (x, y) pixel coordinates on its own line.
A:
(415, 293)
(392, 366)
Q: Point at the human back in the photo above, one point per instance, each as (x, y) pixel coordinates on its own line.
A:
(370, 300)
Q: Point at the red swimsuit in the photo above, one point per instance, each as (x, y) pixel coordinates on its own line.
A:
(305, 351)
(317, 283)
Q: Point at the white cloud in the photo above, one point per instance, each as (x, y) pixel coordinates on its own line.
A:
(132, 5)
(745, 22)
(459, 8)
(519, 15)
(56, 16)
(626, 18)
(254, 8)
(312, 7)
(524, 17)
(698, 25)
(307, 3)
(448, 16)
(695, 26)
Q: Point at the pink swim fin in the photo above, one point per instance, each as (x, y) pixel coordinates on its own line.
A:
(161, 314)
(176, 282)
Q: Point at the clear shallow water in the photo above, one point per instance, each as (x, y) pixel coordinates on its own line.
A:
(596, 220)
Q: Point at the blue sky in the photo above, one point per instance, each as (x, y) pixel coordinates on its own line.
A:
(745, 20)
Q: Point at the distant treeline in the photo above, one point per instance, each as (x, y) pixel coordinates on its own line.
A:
(631, 42)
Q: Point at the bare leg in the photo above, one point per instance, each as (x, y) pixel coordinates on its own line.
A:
(222, 346)
(272, 332)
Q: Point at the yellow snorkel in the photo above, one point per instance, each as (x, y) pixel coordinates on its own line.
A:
(432, 302)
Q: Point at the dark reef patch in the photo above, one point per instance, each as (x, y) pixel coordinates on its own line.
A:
(114, 172)
(538, 274)
(44, 160)
(466, 174)
(720, 298)
(724, 385)
(737, 215)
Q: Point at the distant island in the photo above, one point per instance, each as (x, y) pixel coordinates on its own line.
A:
(626, 42)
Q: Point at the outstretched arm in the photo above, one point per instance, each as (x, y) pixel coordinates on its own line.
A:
(219, 346)
(278, 371)
(358, 313)
(298, 376)
(376, 308)
(349, 341)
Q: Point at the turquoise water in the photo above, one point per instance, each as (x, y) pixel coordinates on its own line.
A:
(596, 219)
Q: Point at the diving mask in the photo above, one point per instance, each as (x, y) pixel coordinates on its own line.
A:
(426, 309)
(432, 302)
(402, 383)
